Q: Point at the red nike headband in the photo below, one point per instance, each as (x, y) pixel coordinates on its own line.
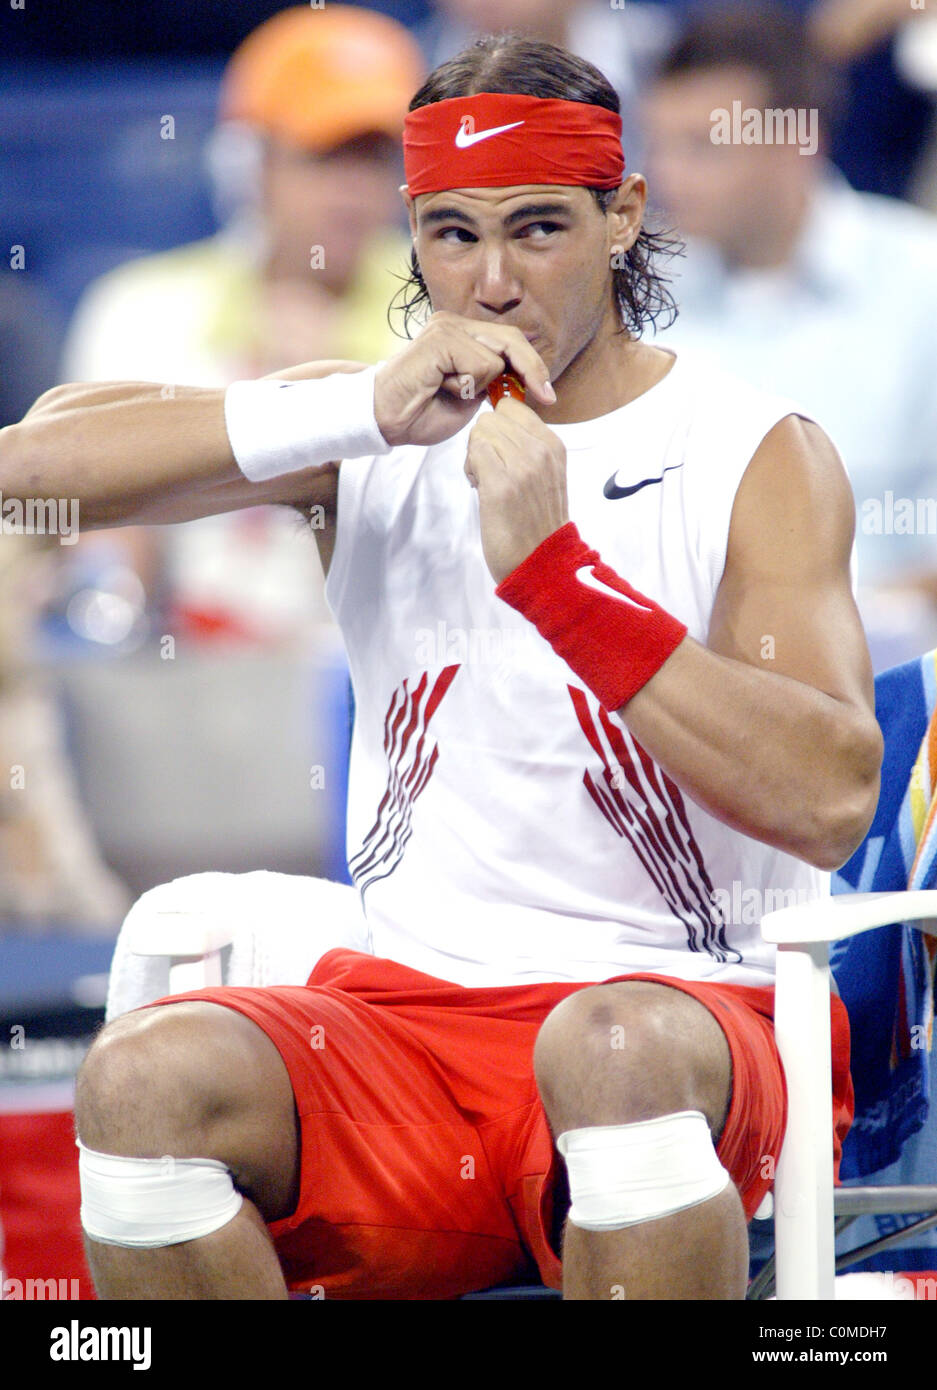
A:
(495, 140)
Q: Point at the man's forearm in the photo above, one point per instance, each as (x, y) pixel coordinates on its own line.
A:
(137, 452)
(118, 448)
(768, 755)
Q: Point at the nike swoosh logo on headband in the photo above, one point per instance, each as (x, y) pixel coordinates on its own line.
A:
(589, 580)
(613, 492)
(464, 140)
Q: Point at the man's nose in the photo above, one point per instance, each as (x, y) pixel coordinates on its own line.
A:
(497, 288)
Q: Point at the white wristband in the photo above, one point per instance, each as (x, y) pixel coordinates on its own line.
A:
(277, 427)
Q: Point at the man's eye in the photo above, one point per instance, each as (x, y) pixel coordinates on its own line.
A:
(538, 230)
(457, 234)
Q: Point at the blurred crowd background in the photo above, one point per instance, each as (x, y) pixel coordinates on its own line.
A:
(196, 194)
(191, 194)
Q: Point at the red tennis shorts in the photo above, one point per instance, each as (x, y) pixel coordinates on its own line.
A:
(428, 1168)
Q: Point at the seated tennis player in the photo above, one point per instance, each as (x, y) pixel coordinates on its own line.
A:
(556, 1053)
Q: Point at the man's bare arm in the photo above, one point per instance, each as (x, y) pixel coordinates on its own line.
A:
(771, 726)
(135, 453)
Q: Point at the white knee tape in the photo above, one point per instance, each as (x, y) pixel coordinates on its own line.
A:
(147, 1202)
(620, 1175)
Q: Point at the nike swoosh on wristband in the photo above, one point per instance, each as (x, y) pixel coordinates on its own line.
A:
(464, 140)
(613, 492)
(590, 581)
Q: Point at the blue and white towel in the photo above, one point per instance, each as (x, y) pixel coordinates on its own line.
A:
(886, 977)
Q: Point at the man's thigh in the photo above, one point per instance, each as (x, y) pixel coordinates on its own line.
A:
(403, 1186)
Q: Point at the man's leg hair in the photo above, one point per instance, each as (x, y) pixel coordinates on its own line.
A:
(673, 1058)
(192, 1080)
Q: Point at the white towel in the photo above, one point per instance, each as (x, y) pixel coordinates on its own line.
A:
(282, 924)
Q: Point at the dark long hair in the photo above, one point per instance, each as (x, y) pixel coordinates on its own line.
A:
(509, 63)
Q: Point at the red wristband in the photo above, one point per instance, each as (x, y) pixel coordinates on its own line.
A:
(610, 635)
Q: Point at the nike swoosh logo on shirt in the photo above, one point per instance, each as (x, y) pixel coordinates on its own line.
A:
(613, 492)
(463, 139)
(591, 582)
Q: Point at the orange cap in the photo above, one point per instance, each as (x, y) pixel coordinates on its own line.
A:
(317, 77)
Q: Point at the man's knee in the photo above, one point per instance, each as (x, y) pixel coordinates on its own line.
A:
(629, 1051)
(150, 1063)
(194, 1079)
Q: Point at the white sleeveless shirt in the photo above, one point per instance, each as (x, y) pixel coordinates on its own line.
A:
(502, 826)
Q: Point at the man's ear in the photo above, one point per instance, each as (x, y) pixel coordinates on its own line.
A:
(411, 209)
(625, 212)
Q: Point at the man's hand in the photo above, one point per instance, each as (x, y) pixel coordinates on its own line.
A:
(431, 389)
(518, 466)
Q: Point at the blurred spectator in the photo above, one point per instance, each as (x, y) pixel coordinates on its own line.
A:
(50, 868)
(803, 285)
(51, 871)
(883, 120)
(306, 165)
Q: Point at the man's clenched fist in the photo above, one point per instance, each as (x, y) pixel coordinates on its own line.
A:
(518, 466)
(435, 385)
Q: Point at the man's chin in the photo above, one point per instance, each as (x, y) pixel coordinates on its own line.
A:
(545, 350)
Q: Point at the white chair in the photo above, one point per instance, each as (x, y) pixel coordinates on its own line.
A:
(193, 942)
(209, 929)
(805, 1206)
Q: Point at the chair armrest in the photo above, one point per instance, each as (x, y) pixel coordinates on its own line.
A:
(182, 933)
(192, 940)
(847, 914)
(804, 1180)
